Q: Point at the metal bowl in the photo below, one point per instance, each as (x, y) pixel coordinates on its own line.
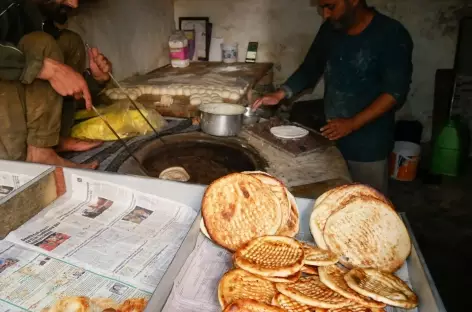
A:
(251, 117)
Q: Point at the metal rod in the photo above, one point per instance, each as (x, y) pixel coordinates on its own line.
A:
(121, 141)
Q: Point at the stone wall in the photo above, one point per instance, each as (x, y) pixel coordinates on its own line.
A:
(133, 34)
(286, 28)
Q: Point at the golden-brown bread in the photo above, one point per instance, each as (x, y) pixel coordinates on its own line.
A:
(353, 308)
(290, 305)
(279, 190)
(239, 284)
(382, 286)
(237, 208)
(317, 256)
(289, 279)
(333, 277)
(71, 304)
(292, 227)
(310, 269)
(271, 256)
(133, 305)
(334, 201)
(249, 305)
(367, 233)
(311, 291)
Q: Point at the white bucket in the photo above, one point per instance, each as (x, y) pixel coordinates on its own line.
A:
(404, 161)
(229, 52)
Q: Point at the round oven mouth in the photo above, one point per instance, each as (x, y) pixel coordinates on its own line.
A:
(204, 157)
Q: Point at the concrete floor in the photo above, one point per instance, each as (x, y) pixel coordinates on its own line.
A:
(441, 218)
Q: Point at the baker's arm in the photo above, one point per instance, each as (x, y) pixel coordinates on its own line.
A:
(306, 76)
(396, 80)
(26, 67)
(310, 71)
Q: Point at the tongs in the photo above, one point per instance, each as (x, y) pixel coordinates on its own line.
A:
(136, 106)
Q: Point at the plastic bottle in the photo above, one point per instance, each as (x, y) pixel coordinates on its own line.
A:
(179, 53)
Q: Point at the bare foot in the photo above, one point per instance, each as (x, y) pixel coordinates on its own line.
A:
(76, 145)
(48, 156)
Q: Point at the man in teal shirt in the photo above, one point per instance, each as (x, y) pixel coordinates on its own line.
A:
(365, 57)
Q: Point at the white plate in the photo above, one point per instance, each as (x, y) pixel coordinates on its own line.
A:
(289, 132)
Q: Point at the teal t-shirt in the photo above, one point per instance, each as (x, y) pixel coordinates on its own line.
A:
(358, 69)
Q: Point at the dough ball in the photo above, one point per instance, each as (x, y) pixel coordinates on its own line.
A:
(156, 90)
(234, 96)
(165, 91)
(148, 90)
(226, 94)
(201, 90)
(196, 101)
(241, 91)
(109, 91)
(167, 100)
(179, 91)
(187, 91)
(194, 91)
(172, 91)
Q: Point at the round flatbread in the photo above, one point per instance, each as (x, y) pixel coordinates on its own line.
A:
(323, 196)
(279, 190)
(311, 291)
(335, 201)
(133, 305)
(354, 308)
(238, 208)
(248, 305)
(291, 305)
(289, 132)
(175, 174)
(310, 269)
(382, 286)
(204, 230)
(333, 277)
(292, 227)
(271, 256)
(239, 284)
(367, 233)
(289, 279)
(318, 257)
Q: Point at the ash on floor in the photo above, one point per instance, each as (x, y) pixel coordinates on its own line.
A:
(441, 218)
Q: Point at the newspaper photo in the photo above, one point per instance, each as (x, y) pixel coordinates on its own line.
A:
(119, 235)
(12, 181)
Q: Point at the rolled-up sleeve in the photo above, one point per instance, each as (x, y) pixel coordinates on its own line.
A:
(397, 66)
(15, 65)
(310, 71)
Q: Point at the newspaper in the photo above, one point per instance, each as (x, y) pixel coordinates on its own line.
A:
(115, 235)
(196, 286)
(11, 181)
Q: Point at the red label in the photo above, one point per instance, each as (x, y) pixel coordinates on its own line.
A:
(179, 53)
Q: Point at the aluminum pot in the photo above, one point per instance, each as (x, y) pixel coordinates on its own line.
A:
(221, 119)
(251, 117)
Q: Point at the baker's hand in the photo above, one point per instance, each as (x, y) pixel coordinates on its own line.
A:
(100, 66)
(269, 99)
(65, 81)
(338, 128)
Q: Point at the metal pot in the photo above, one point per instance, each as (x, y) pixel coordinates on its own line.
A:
(251, 117)
(221, 119)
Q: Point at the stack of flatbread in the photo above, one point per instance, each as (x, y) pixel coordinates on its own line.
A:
(242, 206)
(269, 275)
(85, 304)
(361, 226)
(360, 241)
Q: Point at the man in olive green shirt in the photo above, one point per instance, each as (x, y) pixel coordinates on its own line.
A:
(38, 69)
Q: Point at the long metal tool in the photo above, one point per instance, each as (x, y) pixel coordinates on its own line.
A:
(121, 140)
(131, 100)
